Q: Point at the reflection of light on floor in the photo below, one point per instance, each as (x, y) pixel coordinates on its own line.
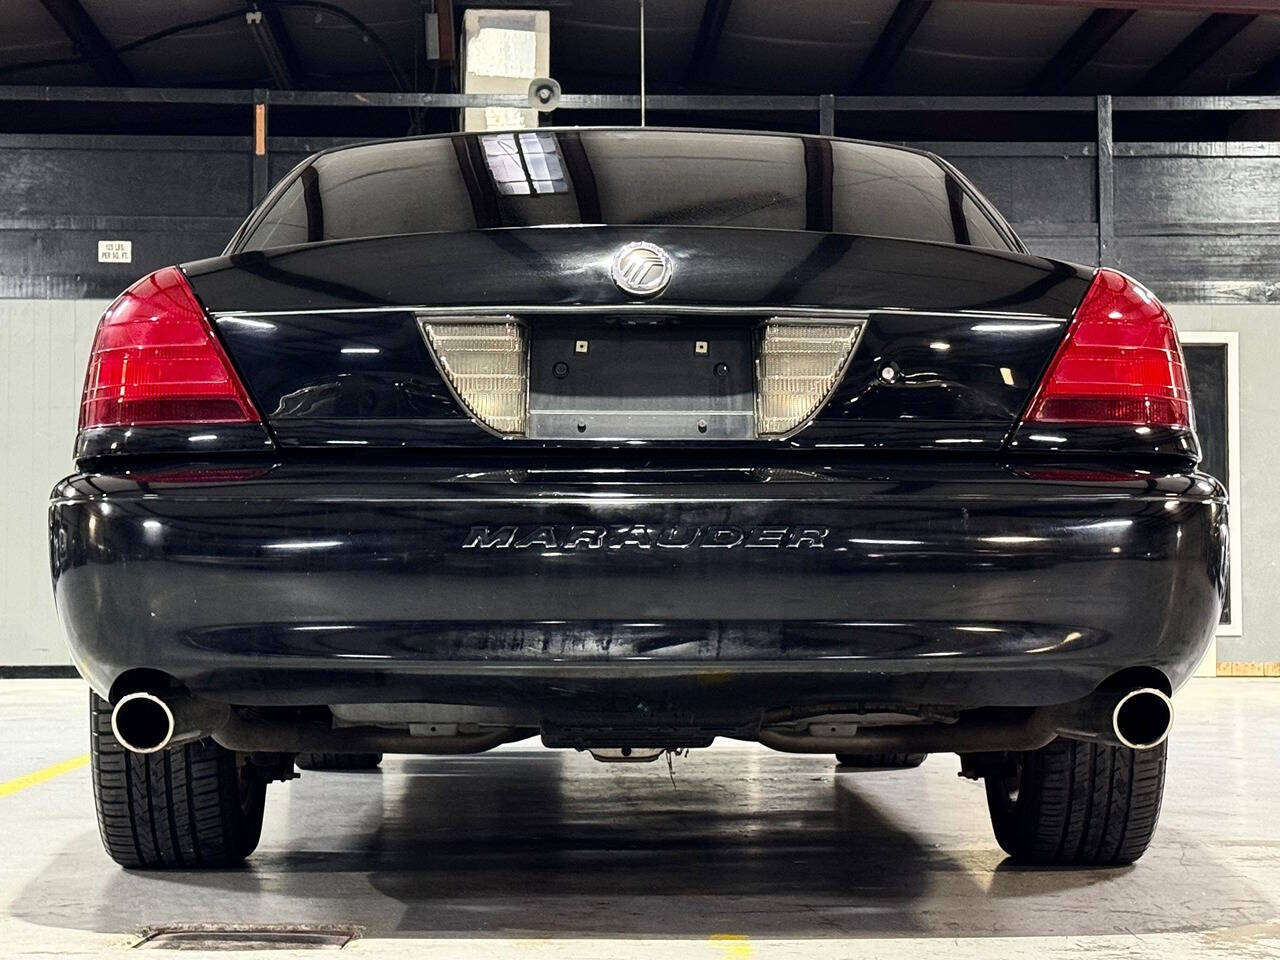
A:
(755, 793)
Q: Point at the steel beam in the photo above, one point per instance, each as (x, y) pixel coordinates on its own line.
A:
(827, 115)
(1225, 104)
(1105, 159)
(800, 103)
(1083, 46)
(889, 45)
(88, 41)
(261, 166)
(714, 15)
(123, 94)
(968, 104)
(1213, 33)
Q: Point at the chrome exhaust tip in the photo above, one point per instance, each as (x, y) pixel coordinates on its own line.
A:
(1142, 718)
(142, 722)
(148, 723)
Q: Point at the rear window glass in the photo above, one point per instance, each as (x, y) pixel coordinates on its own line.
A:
(673, 178)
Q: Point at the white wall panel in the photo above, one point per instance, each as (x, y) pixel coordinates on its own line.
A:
(1258, 330)
(44, 345)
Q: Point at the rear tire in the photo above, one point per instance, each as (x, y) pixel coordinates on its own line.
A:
(880, 761)
(1077, 804)
(338, 761)
(193, 806)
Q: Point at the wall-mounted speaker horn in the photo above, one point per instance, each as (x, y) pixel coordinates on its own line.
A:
(544, 94)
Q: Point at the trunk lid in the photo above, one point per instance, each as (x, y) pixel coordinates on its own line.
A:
(950, 342)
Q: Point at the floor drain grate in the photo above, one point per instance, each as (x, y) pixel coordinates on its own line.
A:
(246, 936)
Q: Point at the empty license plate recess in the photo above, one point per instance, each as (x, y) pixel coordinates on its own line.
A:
(651, 380)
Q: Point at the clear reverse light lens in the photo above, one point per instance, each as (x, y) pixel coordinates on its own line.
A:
(485, 363)
(799, 364)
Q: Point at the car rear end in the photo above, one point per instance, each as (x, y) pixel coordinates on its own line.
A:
(800, 460)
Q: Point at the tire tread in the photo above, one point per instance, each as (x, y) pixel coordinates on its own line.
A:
(179, 807)
(1080, 804)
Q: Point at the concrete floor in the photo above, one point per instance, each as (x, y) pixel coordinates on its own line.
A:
(532, 852)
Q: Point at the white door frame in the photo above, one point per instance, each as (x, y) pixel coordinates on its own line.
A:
(1235, 626)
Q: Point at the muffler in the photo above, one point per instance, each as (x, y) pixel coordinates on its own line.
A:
(148, 722)
(968, 735)
(1139, 719)
(286, 735)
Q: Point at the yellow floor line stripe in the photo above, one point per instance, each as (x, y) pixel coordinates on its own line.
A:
(40, 776)
(732, 946)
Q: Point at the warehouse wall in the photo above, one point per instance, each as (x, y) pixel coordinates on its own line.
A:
(44, 345)
(1258, 490)
(1198, 221)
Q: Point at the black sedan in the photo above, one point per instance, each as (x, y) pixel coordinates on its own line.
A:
(630, 439)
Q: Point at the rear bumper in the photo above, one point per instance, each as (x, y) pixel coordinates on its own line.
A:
(672, 589)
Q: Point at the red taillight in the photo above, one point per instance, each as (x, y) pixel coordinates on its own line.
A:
(1120, 363)
(155, 361)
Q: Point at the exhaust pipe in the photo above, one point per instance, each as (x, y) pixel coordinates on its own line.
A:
(1143, 718)
(1139, 719)
(147, 723)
